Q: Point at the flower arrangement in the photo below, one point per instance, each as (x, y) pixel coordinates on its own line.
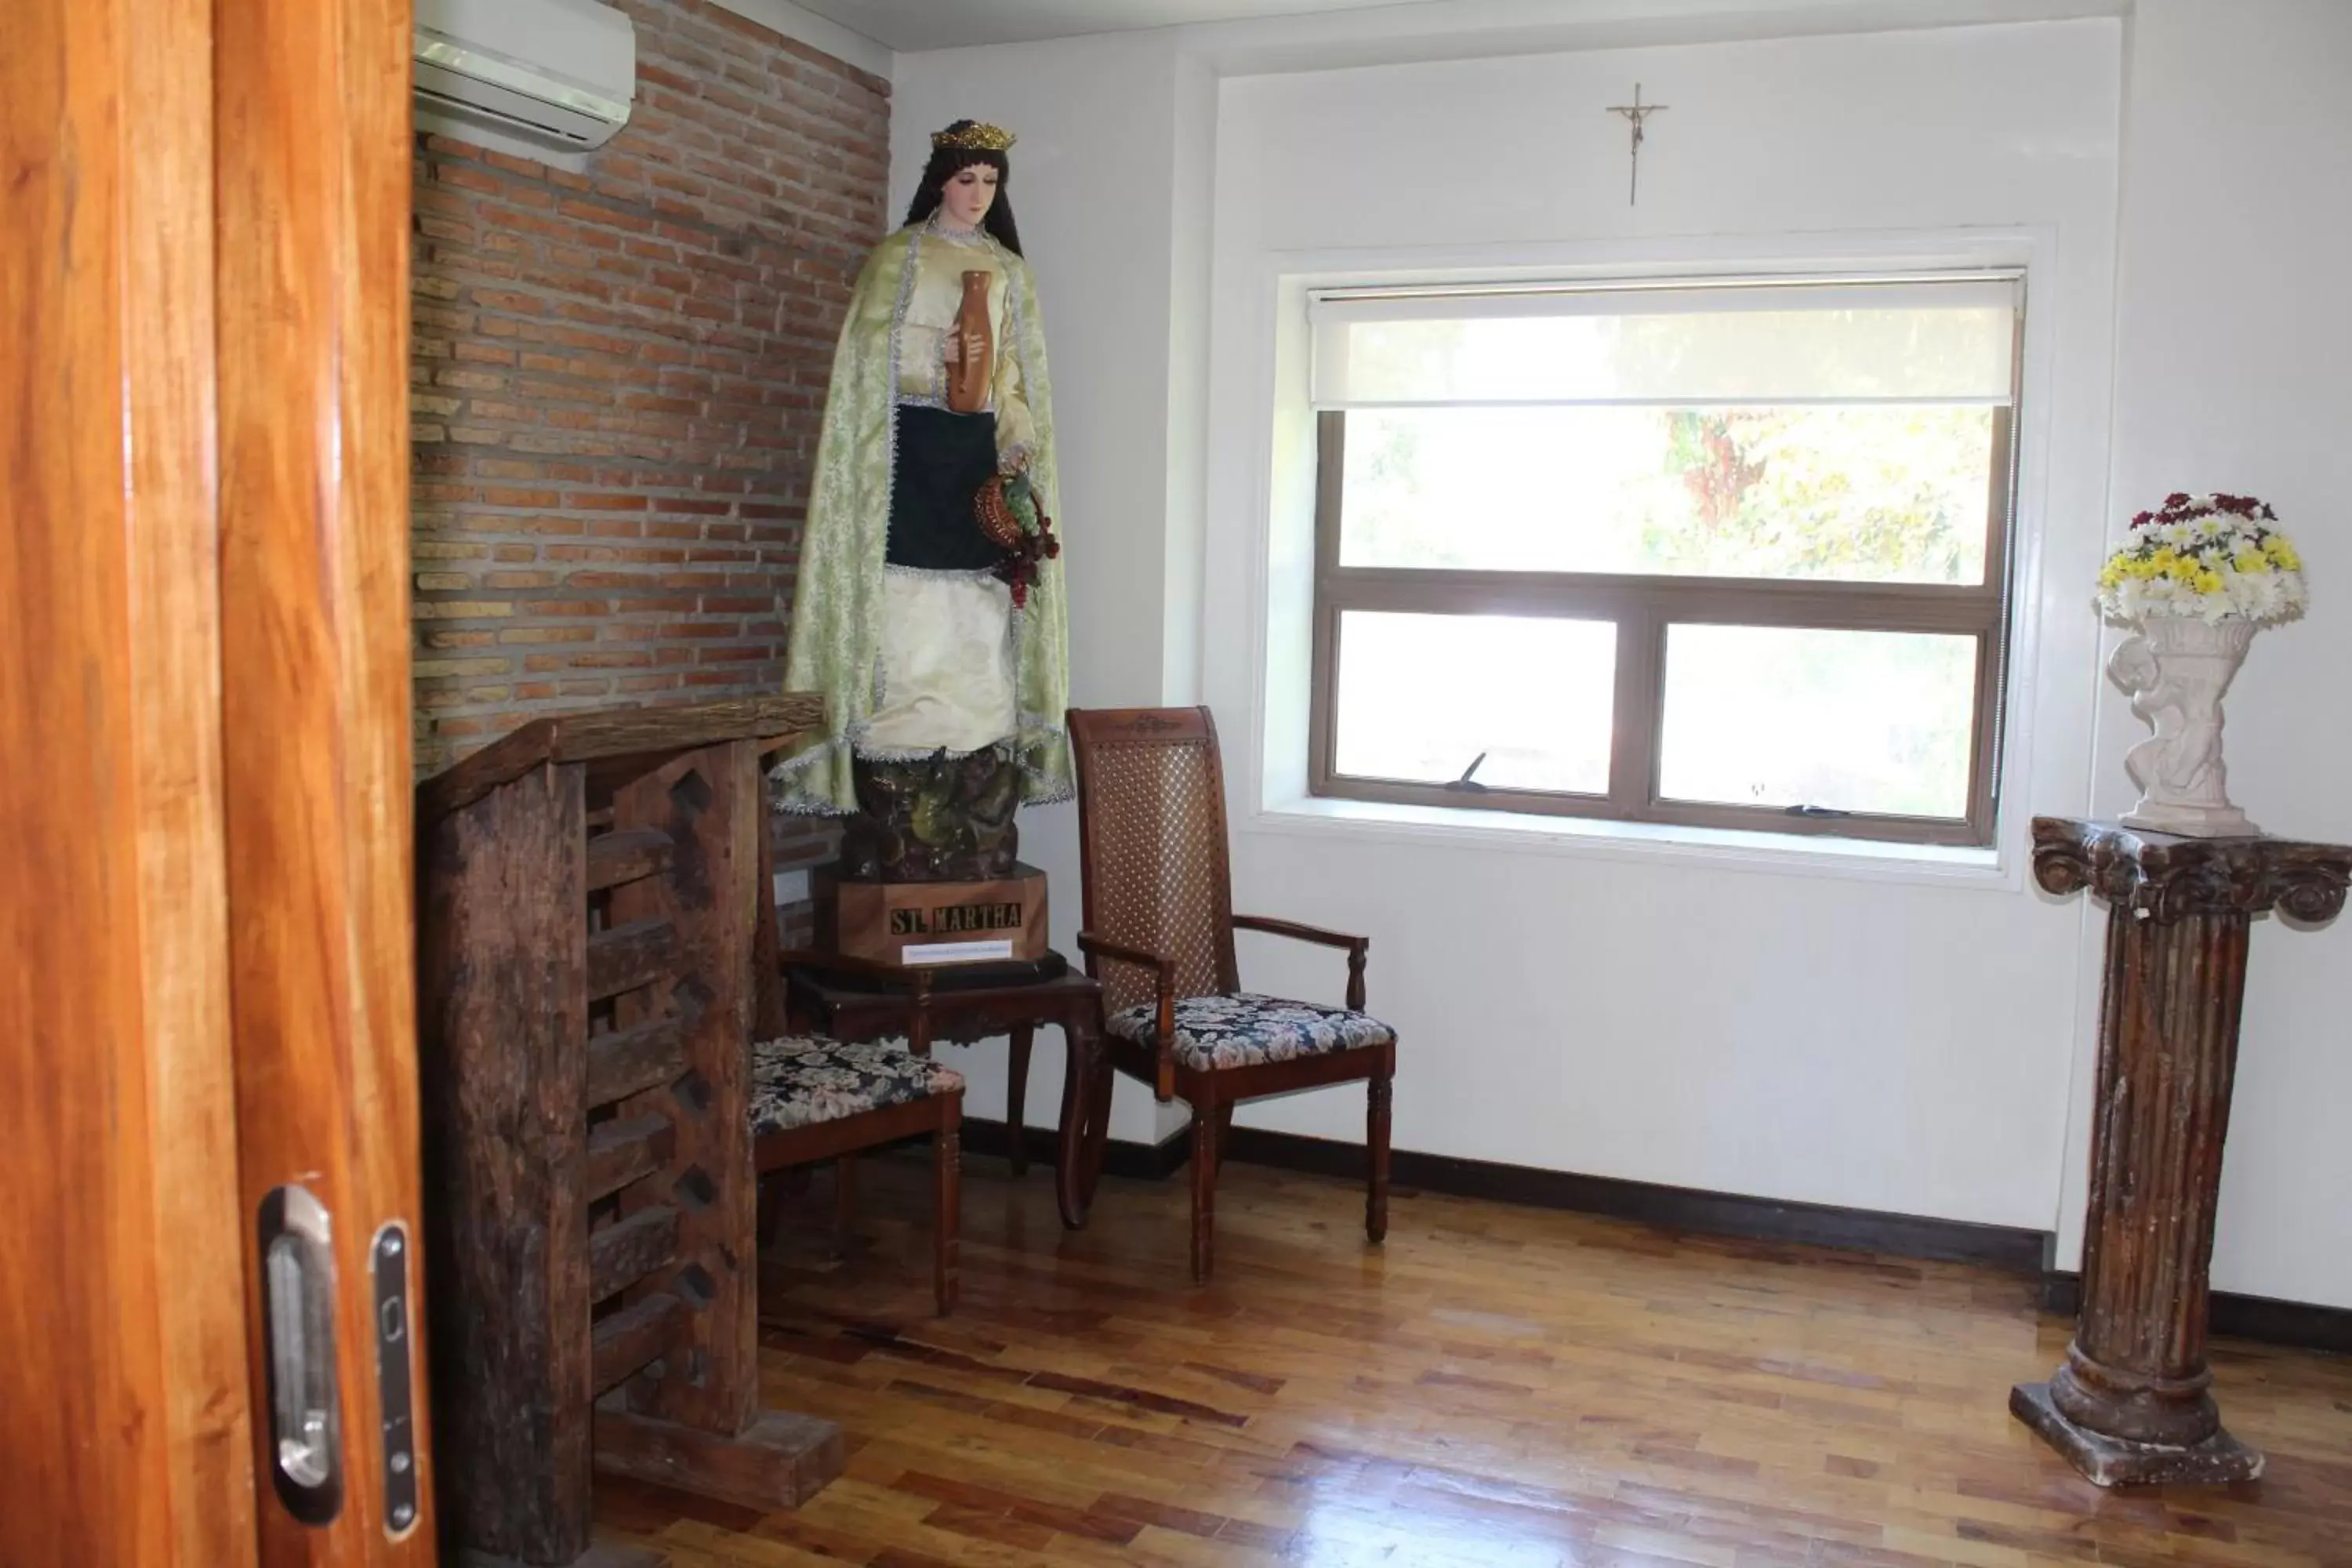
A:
(2212, 558)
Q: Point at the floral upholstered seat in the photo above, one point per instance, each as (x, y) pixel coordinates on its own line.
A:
(1244, 1030)
(800, 1081)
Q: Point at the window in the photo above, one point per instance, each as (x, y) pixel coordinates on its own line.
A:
(1727, 553)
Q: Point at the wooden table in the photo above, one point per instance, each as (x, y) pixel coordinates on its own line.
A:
(964, 1014)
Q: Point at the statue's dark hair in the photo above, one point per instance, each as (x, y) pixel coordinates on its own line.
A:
(945, 164)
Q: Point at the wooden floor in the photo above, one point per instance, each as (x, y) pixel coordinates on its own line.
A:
(1497, 1385)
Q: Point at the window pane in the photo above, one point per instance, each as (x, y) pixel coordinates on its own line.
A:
(1421, 696)
(1864, 721)
(1886, 493)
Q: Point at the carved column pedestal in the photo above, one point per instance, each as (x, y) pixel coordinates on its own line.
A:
(2130, 1403)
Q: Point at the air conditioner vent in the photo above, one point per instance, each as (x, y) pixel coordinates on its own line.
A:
(558, 73)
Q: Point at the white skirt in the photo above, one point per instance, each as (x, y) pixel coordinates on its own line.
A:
(946, 663)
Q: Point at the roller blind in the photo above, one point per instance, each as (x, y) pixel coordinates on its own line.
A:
(1950, 339)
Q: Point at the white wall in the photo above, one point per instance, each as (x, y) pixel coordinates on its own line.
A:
(2234, 372)
(1837, 1033)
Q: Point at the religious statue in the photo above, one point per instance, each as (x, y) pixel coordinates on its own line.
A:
(929, 609)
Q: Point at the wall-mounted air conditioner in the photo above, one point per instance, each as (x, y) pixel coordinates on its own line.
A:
(559, 74)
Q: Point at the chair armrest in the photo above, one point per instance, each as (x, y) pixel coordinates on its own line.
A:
(1358, 947)
(1163, 994)
(1096, 947)
(1297, 932)
(913, 977)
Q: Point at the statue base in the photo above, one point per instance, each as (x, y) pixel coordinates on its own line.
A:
(996, 921)
(2191, 821)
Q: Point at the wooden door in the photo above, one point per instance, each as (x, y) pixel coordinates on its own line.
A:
(207, 1094)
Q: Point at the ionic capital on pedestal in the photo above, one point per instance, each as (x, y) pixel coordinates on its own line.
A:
(2166, 878)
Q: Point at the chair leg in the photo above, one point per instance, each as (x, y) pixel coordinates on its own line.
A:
(771, 1202)
(1097, 1136)
(1376, 1147)
(946, 1210)
(844, 1201)
(1204, 1190)
(1016, 1098)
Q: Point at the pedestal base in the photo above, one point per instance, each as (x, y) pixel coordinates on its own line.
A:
(2113, 1462)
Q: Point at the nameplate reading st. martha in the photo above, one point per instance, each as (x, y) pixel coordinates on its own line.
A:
(955, 919)
(933, 922)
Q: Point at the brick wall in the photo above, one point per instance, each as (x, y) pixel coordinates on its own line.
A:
(617, 377)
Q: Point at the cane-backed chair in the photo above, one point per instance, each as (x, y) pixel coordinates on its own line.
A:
(1160, 925)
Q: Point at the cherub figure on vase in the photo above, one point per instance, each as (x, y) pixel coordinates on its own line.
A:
(928, 608)
(2195, 580)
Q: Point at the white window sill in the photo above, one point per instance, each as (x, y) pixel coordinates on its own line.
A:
(1819, 855)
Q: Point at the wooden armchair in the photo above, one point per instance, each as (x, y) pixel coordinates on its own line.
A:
(1158, 913)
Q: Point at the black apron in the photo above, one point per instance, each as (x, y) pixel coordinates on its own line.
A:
(941, 459)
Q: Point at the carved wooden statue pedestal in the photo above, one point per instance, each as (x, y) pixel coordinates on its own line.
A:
(2130, 1404)
(929, 871)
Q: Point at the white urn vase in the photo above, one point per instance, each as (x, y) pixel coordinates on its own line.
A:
(2176, 669)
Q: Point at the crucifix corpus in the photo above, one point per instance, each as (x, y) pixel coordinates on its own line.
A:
(1635, 113)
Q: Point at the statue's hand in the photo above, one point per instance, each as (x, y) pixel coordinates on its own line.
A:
(954, 352)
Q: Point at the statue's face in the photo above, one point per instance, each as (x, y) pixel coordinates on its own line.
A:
(970, 192)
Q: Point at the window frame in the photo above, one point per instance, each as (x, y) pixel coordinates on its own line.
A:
(1643, 606)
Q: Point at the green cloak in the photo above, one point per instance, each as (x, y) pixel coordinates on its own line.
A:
(836, 631)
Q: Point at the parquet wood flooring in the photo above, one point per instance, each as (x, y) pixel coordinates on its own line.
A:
(1499, 1386)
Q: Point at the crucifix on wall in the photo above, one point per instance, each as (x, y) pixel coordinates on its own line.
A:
(1635, 113)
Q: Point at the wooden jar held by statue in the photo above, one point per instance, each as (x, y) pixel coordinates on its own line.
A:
(967, 376)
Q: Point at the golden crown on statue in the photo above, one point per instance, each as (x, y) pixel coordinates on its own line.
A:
(973, 139)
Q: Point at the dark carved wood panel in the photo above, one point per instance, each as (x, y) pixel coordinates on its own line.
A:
(622, 1151)
(616, 858)
(628, 1061)
(532, 926)
(778, 1460)
(502, 948)
(710, 806)
(636, 953)
(626, 1340)
(623, 1253)
(610, 734)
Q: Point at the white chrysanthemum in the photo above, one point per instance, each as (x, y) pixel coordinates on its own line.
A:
(2213, 565)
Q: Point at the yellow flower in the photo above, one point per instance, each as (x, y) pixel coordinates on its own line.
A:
(2250, 561)
(2209, 581)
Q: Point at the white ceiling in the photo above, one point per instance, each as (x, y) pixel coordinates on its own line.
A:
(913, 25)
